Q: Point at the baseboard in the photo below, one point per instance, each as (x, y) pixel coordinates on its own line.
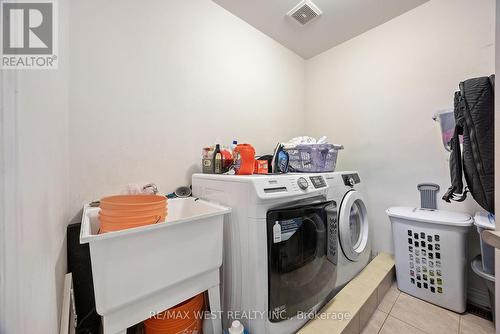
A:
(478, 297)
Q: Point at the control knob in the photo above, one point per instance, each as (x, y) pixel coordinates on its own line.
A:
(351, 182)
(302, 183)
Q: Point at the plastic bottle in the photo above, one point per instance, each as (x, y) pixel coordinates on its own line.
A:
(244, 163)
(234, 156)
(233, 145)
(207, 160)
(237, 328)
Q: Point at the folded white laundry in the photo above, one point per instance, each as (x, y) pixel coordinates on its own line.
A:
(304, 140)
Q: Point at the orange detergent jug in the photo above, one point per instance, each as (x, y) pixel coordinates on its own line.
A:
(244, 159)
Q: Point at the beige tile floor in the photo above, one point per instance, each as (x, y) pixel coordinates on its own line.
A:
(400, 313)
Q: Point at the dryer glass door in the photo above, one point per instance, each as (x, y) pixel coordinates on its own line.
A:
(301, 258)
(353, 225)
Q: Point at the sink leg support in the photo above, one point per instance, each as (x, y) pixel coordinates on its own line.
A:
(116, 322)
(215, 326)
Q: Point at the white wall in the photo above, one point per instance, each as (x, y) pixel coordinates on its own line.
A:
(153, 82)
(36, 197)
(376, 94)
(148, 85)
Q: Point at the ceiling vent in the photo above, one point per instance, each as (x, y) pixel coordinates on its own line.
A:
(305, 12)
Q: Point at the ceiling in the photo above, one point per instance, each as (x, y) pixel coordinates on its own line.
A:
(341, 20)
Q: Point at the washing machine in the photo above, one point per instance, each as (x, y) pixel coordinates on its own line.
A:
(280, 248)
(345, 188)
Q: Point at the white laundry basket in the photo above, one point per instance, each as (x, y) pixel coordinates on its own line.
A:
(485, 221)
(431, 254)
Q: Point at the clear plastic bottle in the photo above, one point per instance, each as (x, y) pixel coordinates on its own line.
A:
(233, 145)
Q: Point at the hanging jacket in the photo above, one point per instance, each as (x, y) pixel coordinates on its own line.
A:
(474, 118)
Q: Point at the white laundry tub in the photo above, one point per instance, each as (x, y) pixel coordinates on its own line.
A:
(132, 265)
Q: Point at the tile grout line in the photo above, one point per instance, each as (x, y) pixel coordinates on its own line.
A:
(386, 313)
(420, 329)
(389, 313)
(392, 306)
(459, 317)
(383, 322)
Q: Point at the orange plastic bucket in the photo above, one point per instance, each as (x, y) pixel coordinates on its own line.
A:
(194, 328)
(133, 219)
(121, 212)
(183, 318)
(190, 306)
(109, 226)
(133, 202)
(132, 213)
(133, 209)
(123, 226)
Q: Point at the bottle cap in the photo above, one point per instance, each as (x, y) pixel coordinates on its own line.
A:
(236, 328)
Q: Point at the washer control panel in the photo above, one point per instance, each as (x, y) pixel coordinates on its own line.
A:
(318, 181)
(287, 185)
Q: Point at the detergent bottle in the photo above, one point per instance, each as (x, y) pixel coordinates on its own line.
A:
(244, 163)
